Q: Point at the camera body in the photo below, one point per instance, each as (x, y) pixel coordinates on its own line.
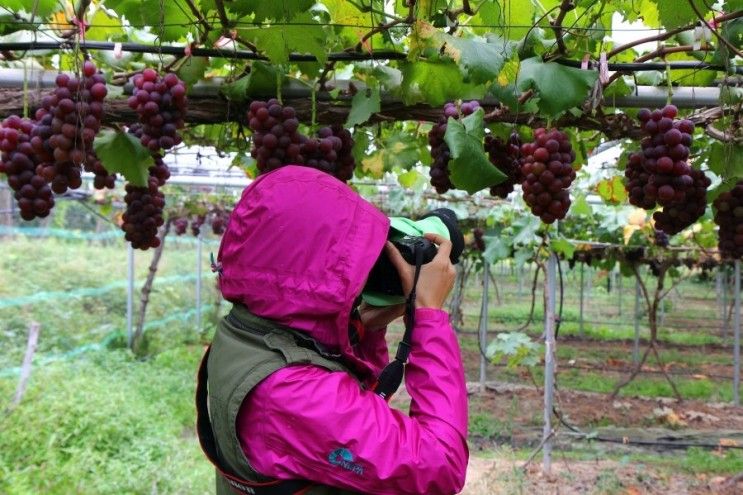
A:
(383, 286)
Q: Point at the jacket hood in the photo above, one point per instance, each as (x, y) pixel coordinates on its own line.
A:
(297, 250)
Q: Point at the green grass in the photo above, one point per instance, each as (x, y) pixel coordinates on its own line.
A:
(106, 424)
(29, 266)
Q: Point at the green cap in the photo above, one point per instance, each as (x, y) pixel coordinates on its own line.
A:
(399, 228)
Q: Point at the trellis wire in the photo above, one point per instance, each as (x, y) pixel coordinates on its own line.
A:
(335, 56)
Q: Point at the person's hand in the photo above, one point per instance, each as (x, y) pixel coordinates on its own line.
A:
(436, 279)
(378, 317)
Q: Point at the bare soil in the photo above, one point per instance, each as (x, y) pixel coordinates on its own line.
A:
(504, 475)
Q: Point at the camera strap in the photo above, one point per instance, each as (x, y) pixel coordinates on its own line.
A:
(391, 376)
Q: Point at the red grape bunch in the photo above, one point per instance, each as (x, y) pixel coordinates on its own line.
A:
(180, 225)
(276, 138)
(440, 150)
(505, 156)
(277, 142)
(330, 151)
(161, 104)
(729, 216)
(547, 171)
(18, 162)
(67, 123)
(196, 222)
(661, 175)
(219, 219)
(478, 239)
(144, 214)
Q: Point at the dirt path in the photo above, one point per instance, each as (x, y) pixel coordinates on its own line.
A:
(503, 475)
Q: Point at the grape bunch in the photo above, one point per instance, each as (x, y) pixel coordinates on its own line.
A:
(505, 156)
(661, 175)
(196, 222)
(678, 215)
(660, 238)
(102, 179)
(219, 220)
(67, 123)
(547, 171)
(144, 214)
(277, 142)
(161, 104)
(321, 152)
(478, 240)
(18, 162)
(180, 225)
(729, 216)
(276, 138)
(440, 150)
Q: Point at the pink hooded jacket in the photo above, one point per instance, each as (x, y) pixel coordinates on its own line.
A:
(297, 250)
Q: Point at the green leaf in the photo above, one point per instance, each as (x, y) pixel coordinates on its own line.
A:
(676, 13)
(479, 61)
(270, 9)
(363, 105)
(726, 160)
(581, 207)
(496, 248)
(193, 70)
(563, 247)
(44, 8)
(104, 27)
(525, 229)
(618, 88)
(260, 81)
(435, 83)
(519, 13)
(612, 190)
(411, 178)
(122, 153)
(303, 35)
(559, 87)
(167, 18)
(470, 168)
(487, 15)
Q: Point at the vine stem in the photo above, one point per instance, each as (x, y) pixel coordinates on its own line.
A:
(668, 34)
(714, 31)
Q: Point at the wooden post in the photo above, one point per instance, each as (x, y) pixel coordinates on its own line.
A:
(33, 339)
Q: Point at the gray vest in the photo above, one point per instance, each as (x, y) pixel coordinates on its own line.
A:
(245, 350)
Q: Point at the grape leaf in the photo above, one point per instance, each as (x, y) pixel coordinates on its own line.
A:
(277, 42)
(169, 20)
(435, 83)
(581, 207)
(612, 190)
(260, 81)
(270, 9)
(563, 247)
(496, 248)
(558, 87)
(470, 168)
(104, 27)
(363, 105)
(676, 13)
(479, 61)
(43, 9)
(122, 153)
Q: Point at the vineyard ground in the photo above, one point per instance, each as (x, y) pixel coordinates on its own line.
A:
(106, 412)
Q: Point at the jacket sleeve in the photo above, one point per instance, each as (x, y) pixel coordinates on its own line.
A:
(305, 422)
(373, 349)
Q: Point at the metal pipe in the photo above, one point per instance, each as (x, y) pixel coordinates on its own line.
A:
(129, 293)
(483, 330)
(736, 330)
(199, 252)
(550, 284)
(640, 96)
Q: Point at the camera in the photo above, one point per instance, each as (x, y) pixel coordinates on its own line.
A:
(383, 287)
